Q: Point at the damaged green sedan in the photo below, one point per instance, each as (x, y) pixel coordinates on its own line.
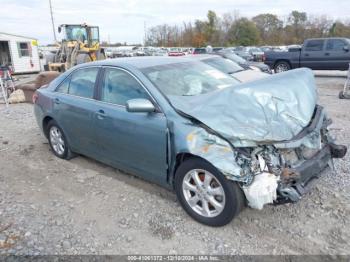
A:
(186, 126)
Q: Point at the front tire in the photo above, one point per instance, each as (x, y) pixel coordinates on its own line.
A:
(205, 194)
(58, 141)
(282, 66)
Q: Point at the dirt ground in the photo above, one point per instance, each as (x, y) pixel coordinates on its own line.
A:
(53, 206)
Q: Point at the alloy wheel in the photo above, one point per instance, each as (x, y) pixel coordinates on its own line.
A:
(281, 68)
(57, 141)
(203, 193)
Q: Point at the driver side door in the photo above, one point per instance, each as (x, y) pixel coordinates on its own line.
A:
(135, 142)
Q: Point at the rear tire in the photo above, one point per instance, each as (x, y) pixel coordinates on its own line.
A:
(228, 196)
(57, 140)
(282, 66)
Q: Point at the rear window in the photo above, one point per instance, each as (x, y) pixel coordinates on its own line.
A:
(80, 83)
(314, 45)
(335, 45)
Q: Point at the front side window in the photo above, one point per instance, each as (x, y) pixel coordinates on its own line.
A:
(188, 78)
(314, 45)
(24, 49)
(119, 86)
(82, 82)
(335, 45)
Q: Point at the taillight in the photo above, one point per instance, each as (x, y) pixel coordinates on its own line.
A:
(35, 97)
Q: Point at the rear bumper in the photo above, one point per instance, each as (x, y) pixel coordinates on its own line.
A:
(304, 174)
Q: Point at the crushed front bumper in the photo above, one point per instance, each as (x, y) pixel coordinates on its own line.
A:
(307, 172)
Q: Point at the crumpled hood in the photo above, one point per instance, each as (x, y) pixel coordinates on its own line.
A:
(271, 109)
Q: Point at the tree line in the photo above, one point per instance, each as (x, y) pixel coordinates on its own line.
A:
(231, 29)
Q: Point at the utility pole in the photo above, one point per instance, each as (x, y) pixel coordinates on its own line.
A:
(145, 31)
(53, 24)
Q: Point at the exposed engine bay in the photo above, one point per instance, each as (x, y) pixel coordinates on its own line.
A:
(280, 175)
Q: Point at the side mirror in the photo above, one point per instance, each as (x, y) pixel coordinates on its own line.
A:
(346, 48)
(139, 106)
(59, 29)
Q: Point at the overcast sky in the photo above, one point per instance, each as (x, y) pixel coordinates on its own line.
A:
(123, 20)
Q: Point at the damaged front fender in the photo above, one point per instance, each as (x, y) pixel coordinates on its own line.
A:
(219, 153)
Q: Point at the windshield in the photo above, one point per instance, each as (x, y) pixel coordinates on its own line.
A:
(188, 78)
(76, 32)
(224, 65)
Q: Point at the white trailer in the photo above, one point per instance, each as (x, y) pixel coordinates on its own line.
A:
(19, 52)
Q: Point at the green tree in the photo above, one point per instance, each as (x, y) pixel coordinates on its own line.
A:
(211, 28)
(297, 21)
(244, 32)
(269, 27)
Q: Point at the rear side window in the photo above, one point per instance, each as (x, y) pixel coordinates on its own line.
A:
(82, 82)
(314, 45)
(119, 86)
(64, 86)
(335, 45)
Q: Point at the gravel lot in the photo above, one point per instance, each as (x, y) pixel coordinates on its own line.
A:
(52, 206)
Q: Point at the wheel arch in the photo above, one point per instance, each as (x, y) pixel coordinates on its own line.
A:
(179, 159)
(45, 122)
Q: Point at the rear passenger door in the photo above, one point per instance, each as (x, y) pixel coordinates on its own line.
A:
(312, 55)
(338, 57)
(74, 106)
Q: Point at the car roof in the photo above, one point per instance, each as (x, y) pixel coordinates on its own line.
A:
(138, 62)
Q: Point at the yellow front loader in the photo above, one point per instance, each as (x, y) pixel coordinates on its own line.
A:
(80, 44)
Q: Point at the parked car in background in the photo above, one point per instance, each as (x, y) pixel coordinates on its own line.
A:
(175, 52)
(243, 52)
(229, 67)
(201, 50)
(160, 52)
(316, 53)
(257, 54)
(266, 48)
(244, 63)
(109, 52)
(191, 128)
(217, 49)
